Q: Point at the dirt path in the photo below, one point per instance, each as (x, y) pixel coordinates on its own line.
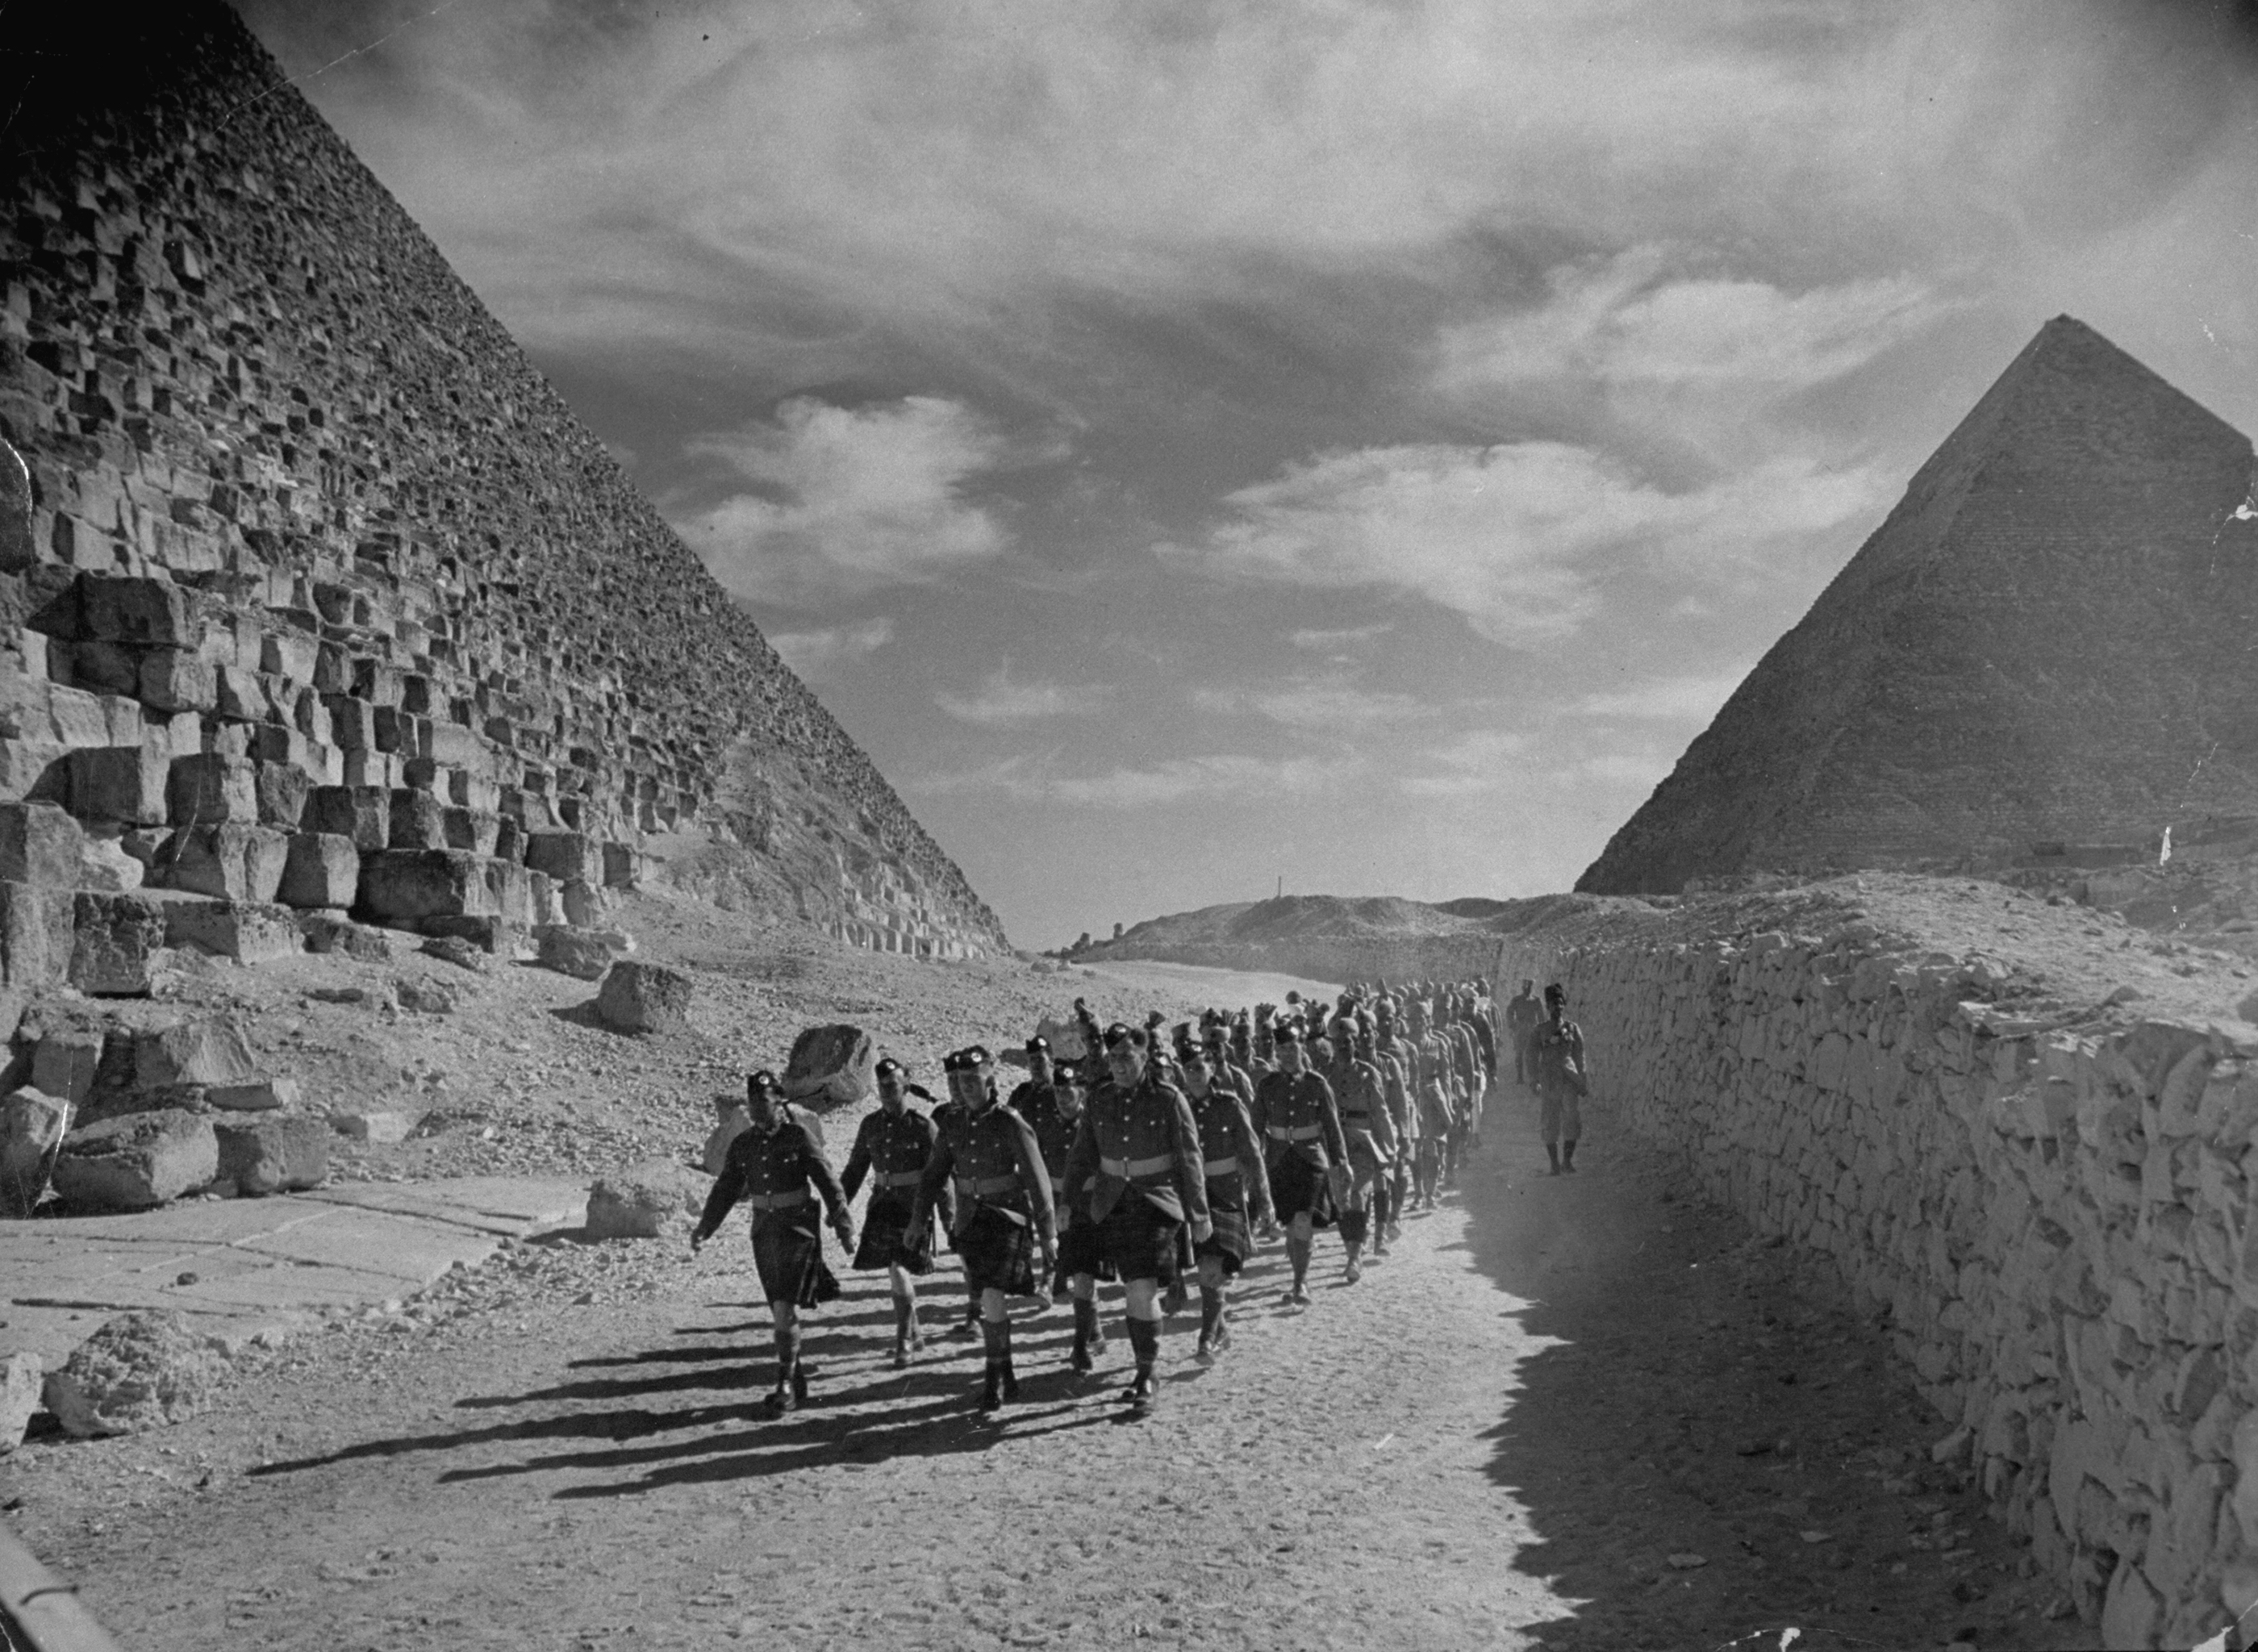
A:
(1501, 1437)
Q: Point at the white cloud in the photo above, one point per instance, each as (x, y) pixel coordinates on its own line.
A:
(1620, 322)
(1350, 638)
(816, 656)
(1478, 761)
(1177, 780)
(1514, 537)
(850, 500)
(1004, 703)
(1315, 705)
(1688, 699)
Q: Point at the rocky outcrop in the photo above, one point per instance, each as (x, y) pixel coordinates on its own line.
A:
(323, 598)
(138, 1371)
(136, 1161)
(2046, 644)
(831, 1066)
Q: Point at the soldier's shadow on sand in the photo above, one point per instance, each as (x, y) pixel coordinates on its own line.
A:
(623, 1418)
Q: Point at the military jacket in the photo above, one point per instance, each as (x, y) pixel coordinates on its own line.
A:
(990, 1158)
(1363, 1104)
(1145, 1138)
(773, 1171)
(1556, 1058)
(1296, 1114)
(893, 1149)
(1398, 1069)
(1054, 1131)
(1228, 1142)
(1522, 1013)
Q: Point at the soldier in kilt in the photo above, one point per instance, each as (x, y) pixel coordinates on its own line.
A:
(1236, 1185)
(1307, 1154)
(1051, 1101)
(772, 1167)
(1003, 1207)
(1137, 1163)
(892, 1149)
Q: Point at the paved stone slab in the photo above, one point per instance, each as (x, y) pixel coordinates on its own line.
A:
(242, 1267)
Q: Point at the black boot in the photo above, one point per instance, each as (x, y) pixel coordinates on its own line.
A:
(1568, 1156)
(789, 1384)
(1553, 1153)
(1089, 1341)
(1145, 1337)
(1210, 1325)
(999, 1384)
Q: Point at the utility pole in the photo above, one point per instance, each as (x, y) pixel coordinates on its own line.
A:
(1281, 886)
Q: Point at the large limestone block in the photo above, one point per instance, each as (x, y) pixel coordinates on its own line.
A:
(586, 904)
(104, 863)
(124, 784)
(272, 1154)
(323, 870)
(249, 932)
(637, 997)
(33, 1126)
(360, 814)
(646, 1201)
(210, 789)
(419, 820)
(39, 843)
(118, 938)
(136, 1161)
(282, 789)
(64, 1063)
(471, 829)
(567, 856)
(511, 885)
(834, 1063)
(146, 613)
(623, 866)
(197, 1050)
(175, 680)
(139, 1370)
(38, 932)
(404, 884)
(229, 862)
(585, 955)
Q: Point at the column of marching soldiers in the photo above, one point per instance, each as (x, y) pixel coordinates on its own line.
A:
(1151, 1161)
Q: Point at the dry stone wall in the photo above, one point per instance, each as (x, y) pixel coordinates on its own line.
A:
(2059, 1223)
(317, 594)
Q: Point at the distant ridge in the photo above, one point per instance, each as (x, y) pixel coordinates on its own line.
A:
(2051, 639)
(1344, 938)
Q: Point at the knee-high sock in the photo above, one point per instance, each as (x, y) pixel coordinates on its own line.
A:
(1145, 1338)
(904, 1318)
(1085, 1322)
(1211, 1309)
(1353, 1220)
(997, 1334)
(787, 1352)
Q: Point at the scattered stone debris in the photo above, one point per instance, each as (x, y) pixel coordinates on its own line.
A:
(645, 1201)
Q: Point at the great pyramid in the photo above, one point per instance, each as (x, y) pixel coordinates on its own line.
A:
(326, 597)
(2052, 640)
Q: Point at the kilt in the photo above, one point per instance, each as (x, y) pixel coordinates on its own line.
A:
(1559, 1114)
(886, 1239)
(1232, 1242)
(788, 1254)
(1296, 1185)
(999, 1251)
(1080, 1250)
(1140, 1239)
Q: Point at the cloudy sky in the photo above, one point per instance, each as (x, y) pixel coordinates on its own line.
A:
(1195, 444)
